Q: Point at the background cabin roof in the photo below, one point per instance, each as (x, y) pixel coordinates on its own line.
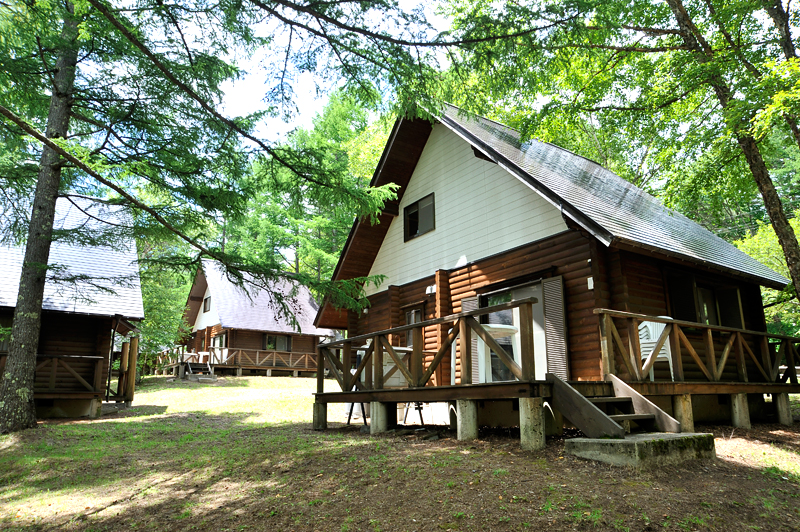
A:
(109, 283)
(253, 308)
(616, 212)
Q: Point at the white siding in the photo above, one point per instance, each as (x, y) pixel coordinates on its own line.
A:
(480, 210)
(206, 319)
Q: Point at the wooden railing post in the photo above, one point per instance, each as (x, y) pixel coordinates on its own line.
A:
(527, 358)
(133, 358)
(377, 364)
(634, 347)
(123, 368)
(465, 335)
(741, 366)
(606, 346)
(347, 364)
(416, 356)
(320, 371)
(675, 348)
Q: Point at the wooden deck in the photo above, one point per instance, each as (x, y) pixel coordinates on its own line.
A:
(706, 360)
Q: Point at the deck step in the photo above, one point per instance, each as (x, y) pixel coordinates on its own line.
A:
(632, 417)
(597, 400)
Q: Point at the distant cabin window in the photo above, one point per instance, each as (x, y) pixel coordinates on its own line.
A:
(207, 304)
(412, 316)
(273, 342)
(419, 218)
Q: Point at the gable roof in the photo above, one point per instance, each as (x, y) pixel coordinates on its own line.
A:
(110, 274)
(253, 309)
(613, 210)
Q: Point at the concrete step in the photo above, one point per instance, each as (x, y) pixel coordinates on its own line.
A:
(644, 450)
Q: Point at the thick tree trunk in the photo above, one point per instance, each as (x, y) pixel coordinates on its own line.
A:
(695, 41)
(17, 410)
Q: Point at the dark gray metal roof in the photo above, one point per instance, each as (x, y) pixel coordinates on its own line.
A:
(111, 283)
(255, 309)
(612, 209)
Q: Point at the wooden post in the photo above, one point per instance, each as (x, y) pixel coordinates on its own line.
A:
(634, 347)
(741, 367)
(526, 342)
(606, 346)
(99, 379)
(711, 357)
(675, 348)
(320, 371)
(347, 364)
(416, 356)
(377, 363)
(123, 368)
(369, 352)
(133, 357)
(465, 335)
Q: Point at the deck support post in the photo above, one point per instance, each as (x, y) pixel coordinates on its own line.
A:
(95, 407)
(182, 370)
(320, 416)
(781, 401)
(379, 417)
(467, 423)
(238, 372)
(531, 423)
(740, 411)
(682, 411)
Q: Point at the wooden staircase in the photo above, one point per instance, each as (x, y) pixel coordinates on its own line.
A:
(198, 368)
(612, 416)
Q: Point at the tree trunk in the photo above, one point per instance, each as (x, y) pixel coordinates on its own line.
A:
(17, 409)
(758, 168)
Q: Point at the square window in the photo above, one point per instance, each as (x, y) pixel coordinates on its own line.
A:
(419, 218)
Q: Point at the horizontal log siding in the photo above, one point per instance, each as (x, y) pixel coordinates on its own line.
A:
(73, 335)
(569, 254)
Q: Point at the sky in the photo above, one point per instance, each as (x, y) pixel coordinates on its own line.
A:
(246, 94)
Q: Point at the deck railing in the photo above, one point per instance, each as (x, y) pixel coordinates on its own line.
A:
(339, 355)
(236, 357)
(66, 373)
(776, 362)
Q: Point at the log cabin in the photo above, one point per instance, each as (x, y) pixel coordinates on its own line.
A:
(242, 328)
(92, 297)
(516, 272)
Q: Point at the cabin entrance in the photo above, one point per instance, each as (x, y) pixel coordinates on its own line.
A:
(549, 331)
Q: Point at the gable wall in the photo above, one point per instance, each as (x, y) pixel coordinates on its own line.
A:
(480, 210)
(206, 319)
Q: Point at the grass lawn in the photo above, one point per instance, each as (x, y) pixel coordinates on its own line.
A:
(240, 455)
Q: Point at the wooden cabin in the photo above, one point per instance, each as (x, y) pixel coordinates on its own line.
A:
(83, 317)
(242, 328)
(509, 262)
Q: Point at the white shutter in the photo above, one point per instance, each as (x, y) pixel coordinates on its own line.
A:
(555, 326)
(467, 304)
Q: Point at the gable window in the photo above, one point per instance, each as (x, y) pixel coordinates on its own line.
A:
(207, 304)
(418, 218)
(276, 342)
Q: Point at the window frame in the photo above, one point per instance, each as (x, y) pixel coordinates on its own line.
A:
(702, 288)
(407, 222)
(206, 304)
(265, 342)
